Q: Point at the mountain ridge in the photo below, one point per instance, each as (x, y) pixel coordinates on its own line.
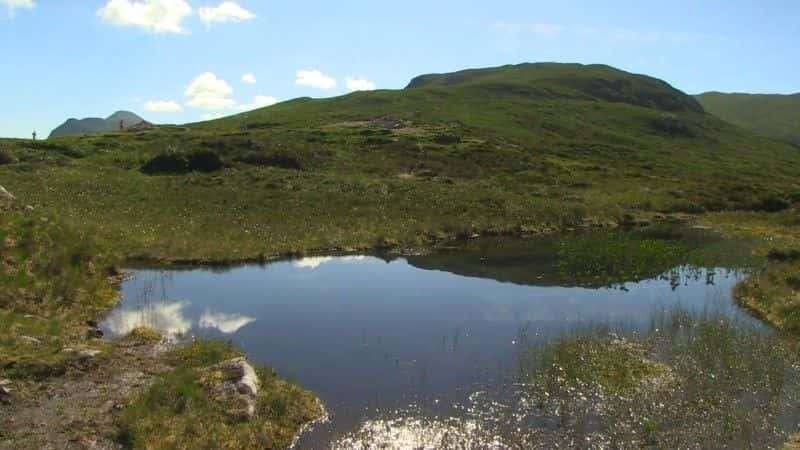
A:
(89, 125)
(593, 81)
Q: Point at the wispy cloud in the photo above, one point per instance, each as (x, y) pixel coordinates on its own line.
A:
(13, 5)
(609, 34)
(249, 78)
(536, 28)
(212, 116)
(162, 106)
(227, 11)
(157, 16)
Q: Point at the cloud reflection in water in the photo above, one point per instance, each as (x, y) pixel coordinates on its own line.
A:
(168, 318)
(225, 323)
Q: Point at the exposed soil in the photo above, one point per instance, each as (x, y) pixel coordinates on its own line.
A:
(78, 411)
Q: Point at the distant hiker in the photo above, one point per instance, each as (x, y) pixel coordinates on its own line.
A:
(34, 135)
(121, 125)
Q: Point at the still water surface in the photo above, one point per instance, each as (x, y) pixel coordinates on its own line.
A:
(389, 345)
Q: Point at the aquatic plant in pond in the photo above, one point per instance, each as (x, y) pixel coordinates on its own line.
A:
(689, 381)
(613, 258)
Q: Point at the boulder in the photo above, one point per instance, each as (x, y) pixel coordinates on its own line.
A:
(235, 384)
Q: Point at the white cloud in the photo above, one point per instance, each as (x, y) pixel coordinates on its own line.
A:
(227, 11)
(260, 101)
(315, 79)
(226, 323)
(312, 262)
(360, 84)
(158, 16)
(249, 78)
(209, 92)
(12, 5)
(162, 106)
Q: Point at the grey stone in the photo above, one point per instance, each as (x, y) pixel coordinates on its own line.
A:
(6, 195)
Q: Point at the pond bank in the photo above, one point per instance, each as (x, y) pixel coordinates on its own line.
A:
(61, 385)
(72, 286)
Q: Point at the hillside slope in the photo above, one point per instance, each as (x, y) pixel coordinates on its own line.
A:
(576, 81)
(75, 127)
(777, 116)
(515, 149)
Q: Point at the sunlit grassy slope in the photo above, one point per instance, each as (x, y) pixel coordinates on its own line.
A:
(777, 116)
(513, 149)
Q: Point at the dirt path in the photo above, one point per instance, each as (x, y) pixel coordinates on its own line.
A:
(77, 411)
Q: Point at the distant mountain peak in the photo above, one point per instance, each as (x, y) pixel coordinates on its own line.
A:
(78, 127)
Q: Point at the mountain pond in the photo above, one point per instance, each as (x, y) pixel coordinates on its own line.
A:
(416, 351)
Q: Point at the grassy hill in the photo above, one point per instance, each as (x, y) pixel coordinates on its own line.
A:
(509, 150)
(777, 116)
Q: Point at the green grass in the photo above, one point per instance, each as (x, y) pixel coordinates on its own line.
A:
(177, 413)
(772, 115)
(529, 149)
(517, 150)
(773, 291)
(54, 278)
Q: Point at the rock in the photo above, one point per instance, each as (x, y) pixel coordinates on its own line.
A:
(5, 391)
(30, 340)
(88, 354)
(29, 208)
(95, 333)
(5, 395)
(4, 194)
(84, 354)
(235, 384)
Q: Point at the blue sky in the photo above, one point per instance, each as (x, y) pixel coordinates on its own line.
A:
(175, 61)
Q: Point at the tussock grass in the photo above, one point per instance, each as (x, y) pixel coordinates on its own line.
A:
(54, 279)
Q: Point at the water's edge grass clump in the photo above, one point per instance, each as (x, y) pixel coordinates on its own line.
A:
(180, 410)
